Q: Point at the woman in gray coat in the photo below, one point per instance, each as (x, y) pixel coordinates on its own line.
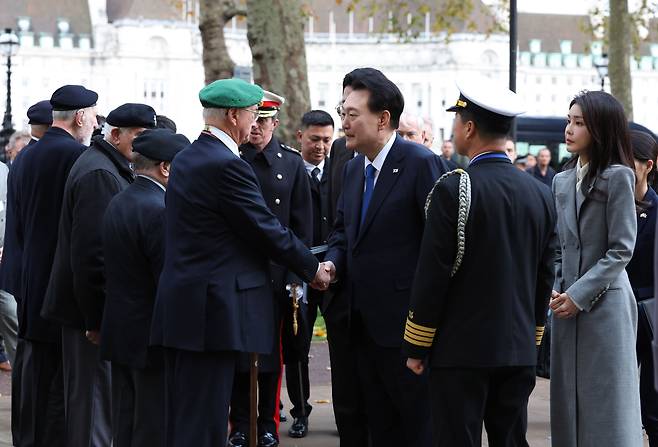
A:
(594, 381)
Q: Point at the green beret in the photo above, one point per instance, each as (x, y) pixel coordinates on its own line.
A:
(230, 94)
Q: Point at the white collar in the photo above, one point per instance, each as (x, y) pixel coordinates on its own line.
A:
(311, 166)
(581, 171)
(379, 160)
(153, 180)
(224, 138)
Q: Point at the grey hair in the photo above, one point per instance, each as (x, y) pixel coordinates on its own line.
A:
(64, 115)
(107, 130)
(20, 135)
(143, 163)
(214, 113)
(413, 118)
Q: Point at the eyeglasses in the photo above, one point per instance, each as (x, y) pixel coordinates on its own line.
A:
(254, 113)
(339, 109)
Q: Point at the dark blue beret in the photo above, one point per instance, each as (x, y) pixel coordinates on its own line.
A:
(73, 97)
(159, 144)
(132, 115)
(40, 113)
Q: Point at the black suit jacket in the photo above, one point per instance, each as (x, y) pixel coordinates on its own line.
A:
(321, 204)
(35, 194)
(488, 314)
(215, 292)
(133, 246)
(376, 261)
(76, 291)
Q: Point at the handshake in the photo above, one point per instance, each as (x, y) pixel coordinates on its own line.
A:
(326, 275)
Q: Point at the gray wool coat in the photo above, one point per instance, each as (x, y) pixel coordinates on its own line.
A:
(595, 399)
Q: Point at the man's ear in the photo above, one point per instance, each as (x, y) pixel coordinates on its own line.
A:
(275, 122)
(115, 133)
(164, 168)
(384, 120)
(299, 136)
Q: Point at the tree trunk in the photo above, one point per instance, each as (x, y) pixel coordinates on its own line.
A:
(275, 30)
(214, 14)
(619, 42)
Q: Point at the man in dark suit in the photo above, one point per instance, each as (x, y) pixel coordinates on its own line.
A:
(481, 336)
(285, 188)
(76, 292)
(215, 295)
(133, 246)
(34, 203)
(373, 251)
(314, 138)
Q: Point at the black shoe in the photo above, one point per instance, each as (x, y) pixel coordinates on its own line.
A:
(238, 439)
(282, 416)
(299, 428)
(267, 440)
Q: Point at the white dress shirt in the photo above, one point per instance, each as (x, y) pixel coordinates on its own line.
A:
(310, 166)
(581, 172)
(379, 160)
(224, 138)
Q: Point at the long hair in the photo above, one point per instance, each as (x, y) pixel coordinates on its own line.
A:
(608, 127)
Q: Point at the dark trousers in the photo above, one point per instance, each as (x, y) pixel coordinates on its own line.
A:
(297, 381)
(269, 387)
(87, 391)
(197, 397)
(462, 398)
(138, 406)
(37, 395)
(397, 400)
(348, 396)
(648, 394)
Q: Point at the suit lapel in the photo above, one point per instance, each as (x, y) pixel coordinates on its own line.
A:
(389, 174)
(569, 193)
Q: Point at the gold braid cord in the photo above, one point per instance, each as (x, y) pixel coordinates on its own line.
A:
(462, 213)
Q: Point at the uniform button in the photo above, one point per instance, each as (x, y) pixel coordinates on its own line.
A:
(277, 201)
(279, 176)
(278, 154)
(240, 153)
(324, 218)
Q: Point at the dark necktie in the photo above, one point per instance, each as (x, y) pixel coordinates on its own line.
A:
(367, 194)
(314, 175)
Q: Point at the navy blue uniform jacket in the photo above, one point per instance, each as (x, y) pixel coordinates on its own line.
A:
(35, 194)
(133, 245)
(215, 292)
(640, 267)
(377, 262)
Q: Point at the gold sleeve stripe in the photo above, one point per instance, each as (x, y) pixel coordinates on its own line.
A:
(416, 342)
(539, 334)
(418, 327)
(418, 337)
(418, 333)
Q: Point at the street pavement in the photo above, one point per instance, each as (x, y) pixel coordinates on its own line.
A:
(322, 428)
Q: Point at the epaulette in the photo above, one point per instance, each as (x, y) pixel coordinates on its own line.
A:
(290, 149)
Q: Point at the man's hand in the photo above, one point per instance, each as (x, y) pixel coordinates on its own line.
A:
(93, 336)
(416, 366)
(562, 306)
(325, 275)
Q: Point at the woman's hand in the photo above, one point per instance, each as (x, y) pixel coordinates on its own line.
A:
(562, 305)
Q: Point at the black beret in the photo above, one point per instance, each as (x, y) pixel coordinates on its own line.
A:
(40, 113)
(73, 97)
(159, 144)
(132, 115)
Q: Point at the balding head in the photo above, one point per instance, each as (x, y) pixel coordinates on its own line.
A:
(411, 128)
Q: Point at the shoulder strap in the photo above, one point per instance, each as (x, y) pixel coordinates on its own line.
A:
(462, 212)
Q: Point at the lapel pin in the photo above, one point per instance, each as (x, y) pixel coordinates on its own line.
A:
(643, 215)
(396, 170)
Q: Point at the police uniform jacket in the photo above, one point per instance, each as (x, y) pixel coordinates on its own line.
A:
(215, 292)
(133, 245)
(491, 313)
(321, 205)
(376, 260)
(35, 194)
(283, 182)
(76, 292)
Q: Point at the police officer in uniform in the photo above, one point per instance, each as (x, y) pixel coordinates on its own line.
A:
(133, 246)
(284, 184)
(480, 332)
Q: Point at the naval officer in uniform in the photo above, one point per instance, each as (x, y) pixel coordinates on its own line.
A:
(215, 297)
(478, 336)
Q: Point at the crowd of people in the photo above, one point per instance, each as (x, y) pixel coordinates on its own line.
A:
(152, 287)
